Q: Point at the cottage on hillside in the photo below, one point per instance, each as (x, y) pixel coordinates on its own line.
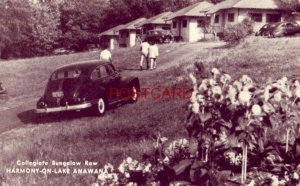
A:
(235, 11)
(110, 37)
(129, 33)
(157, 22)
(189, 23)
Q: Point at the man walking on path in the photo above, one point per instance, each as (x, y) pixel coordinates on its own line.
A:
(106, 54)
(153, 55)
(144, 53)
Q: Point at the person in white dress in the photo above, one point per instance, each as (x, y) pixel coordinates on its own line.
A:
(144, 53)
(105, 55)
(153, 55)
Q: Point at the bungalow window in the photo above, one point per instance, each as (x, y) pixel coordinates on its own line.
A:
(273, 18)
(217, 18)
(184, 23)
(256, 17)
(174, 24)
(200, 23)
(231, 17)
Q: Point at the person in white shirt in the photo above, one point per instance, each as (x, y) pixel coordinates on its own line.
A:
(153, 55)
(144, 53)
(106, 55)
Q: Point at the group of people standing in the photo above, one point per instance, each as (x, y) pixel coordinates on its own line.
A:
(149, 53)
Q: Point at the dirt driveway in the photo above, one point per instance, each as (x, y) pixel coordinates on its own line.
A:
(11, 113)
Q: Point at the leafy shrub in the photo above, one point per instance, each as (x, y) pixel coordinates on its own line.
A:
(239, 133)
(234, 34)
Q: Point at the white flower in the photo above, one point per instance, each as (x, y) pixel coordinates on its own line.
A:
(200, 98)
(296, 83)
(256, 110)
(297, 91)
(238, 85)
(232, 92)
(203, 86)
(212, 82)
(275, 181)
(196, 107)
(163, 139)
(114, 177)
(277, 96)
(194, 97)
(131, 184)
(246, 80)
(225, 78)
(267, 109)
(192, 77)
(129, 160)
(147, 168)
(127, 175)
(102, 176)
(108, 168)
(244, 97)
(133, 165)
(215, 71)
(216, 90)
(122, 167)
(295, 176)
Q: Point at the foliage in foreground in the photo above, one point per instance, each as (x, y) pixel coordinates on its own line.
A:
(239, 133)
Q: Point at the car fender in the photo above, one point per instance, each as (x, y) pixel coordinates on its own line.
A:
(127, 82)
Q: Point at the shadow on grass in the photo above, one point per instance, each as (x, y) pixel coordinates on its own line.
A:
(129, 69)
(30, 117)
(226, 46)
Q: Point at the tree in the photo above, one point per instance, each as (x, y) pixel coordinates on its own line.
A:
(45, 22)
(81, 22)
(291, 5)
(14, 28)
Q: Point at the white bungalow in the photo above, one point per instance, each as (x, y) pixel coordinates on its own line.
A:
(235, 11)
(129, 32)
(189, 23)
(110, 37)
(157, 22)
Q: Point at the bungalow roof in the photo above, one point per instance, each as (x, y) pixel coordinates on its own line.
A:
(193, 10)
(158, 19)
(251, 4)
(112, 31)
(133, 24)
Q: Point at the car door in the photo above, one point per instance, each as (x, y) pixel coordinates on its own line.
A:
(115, 82)
(101, 81)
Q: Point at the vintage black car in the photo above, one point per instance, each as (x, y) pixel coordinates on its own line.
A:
(159, 36)
(90, 84)
(266, 29)
(285, 29)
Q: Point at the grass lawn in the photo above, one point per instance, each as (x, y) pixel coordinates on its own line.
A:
(126, 130)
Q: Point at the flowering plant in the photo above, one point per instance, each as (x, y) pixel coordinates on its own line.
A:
(239, 132)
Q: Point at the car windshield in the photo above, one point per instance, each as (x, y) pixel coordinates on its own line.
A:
(65, 74)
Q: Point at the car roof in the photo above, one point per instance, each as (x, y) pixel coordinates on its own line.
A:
(83, 65)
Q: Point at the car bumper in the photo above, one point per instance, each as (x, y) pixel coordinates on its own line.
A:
(65, 108)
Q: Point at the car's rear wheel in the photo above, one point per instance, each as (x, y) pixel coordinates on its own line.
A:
(134, 94)
(100, 107)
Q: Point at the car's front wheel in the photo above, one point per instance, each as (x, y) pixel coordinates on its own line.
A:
(100, 107)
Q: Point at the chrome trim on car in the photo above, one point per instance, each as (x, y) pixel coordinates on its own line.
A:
(65, 108)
